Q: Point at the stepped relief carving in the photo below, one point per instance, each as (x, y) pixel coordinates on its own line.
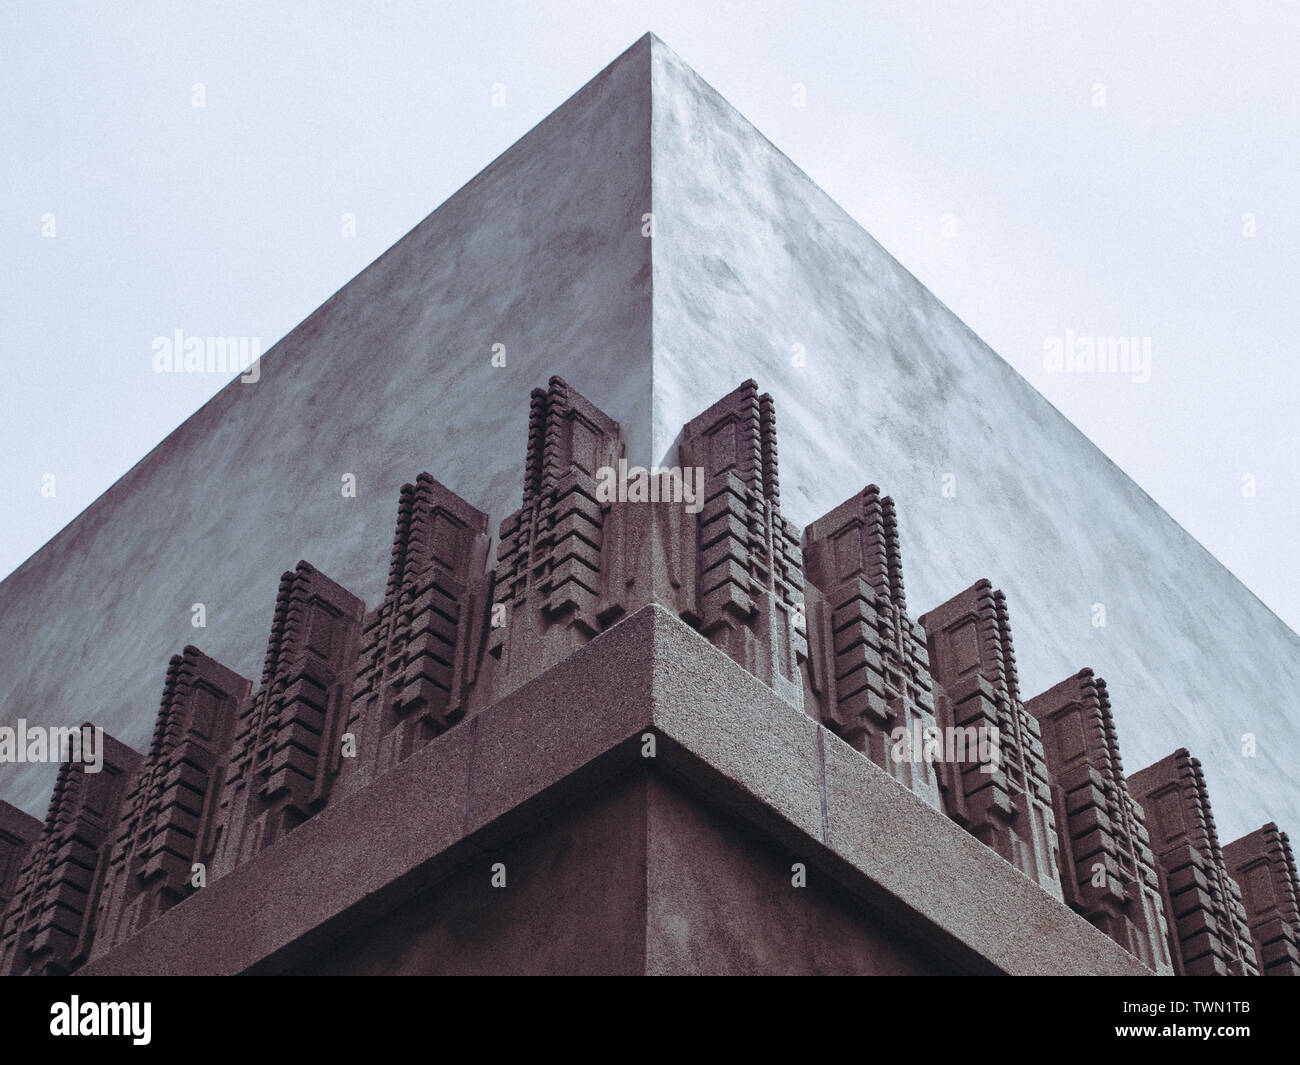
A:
(417, 661)
(868, 663)
(549, 581)
(18, 832)
(1263, 866)
(48, 927)
(749, 574)
(286, 751)
(974, 663)
(1108, 872)
(151, 866)
(819, 616)
(1209, 934)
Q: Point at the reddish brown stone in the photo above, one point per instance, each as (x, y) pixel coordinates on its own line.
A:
(750, 592)
(418, 647)
(547, 586)
(868, 664)
(286, 751)
(1108, 872)
(974, 664)
(1263, 866)
(457, 671)
(49, 925)
(18, 832)
(151, 866)
(1209, 933)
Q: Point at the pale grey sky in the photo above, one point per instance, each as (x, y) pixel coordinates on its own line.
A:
(1098, 168)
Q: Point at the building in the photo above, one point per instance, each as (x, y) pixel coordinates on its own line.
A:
(626, 733)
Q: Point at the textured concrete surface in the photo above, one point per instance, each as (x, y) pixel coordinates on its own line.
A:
(545, 773)
(456, 798)
(573, 904)
(643, 878)
(751, 258)
(749, 750)
(543, 252)
(722, 901)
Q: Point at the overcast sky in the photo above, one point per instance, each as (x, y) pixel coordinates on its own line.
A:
(1042, 168)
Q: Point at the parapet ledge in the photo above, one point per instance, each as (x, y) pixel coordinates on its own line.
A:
(564, 734)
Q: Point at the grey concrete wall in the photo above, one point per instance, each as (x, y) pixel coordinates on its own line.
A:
(751, 258)
(542, 252)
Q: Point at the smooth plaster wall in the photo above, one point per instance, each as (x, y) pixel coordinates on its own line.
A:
(751, 257)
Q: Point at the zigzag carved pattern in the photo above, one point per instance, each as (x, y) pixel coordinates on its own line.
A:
(1210, 931)
(1101, 824)
(1263, 866)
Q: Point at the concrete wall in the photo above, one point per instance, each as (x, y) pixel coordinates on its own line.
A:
(721, 901)
(644, 878)
(676, 861)
(751, 257)
(541, 252)
(573, 904)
